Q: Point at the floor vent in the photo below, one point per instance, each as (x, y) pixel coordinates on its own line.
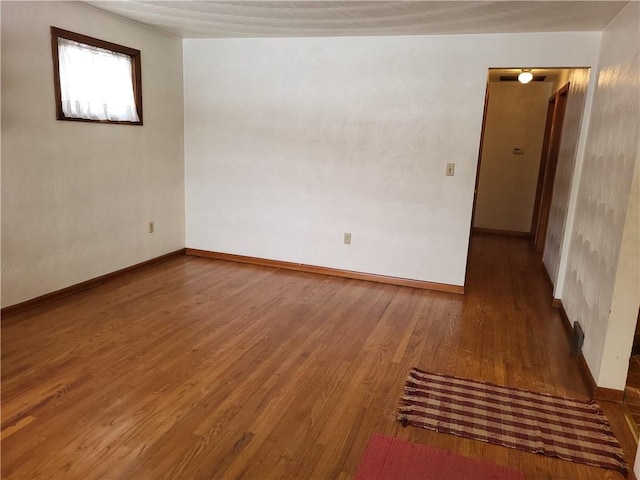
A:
(577, 339)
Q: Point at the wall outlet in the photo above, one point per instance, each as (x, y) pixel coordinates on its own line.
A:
(451, 169)
(151, 227)
(347, 238)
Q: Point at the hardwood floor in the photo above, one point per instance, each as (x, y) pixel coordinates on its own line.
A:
(632, 395)
(200, 368)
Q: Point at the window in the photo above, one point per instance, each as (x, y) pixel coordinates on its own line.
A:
(94, 80)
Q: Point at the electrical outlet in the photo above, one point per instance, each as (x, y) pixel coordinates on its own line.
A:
(151, 227)
(347, 238)
(451, 169)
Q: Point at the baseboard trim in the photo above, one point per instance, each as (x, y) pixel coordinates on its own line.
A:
(609, 395)
(566, 323)
(587, 376)
(598, 393)
(548, 278)
(86, 285)
(509, 233)
(334, 272)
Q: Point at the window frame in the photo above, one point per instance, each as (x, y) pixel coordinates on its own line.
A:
(136, 72)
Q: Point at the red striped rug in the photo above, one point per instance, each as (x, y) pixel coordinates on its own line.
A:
(559, 427)
(388, 458)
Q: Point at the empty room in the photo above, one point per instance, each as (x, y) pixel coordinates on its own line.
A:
(320, 240)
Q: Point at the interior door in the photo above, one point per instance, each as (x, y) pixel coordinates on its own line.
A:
(550, 158)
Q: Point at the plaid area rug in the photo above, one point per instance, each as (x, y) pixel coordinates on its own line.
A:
(559, 427)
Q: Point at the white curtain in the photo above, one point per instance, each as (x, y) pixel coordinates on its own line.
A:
(95, 83)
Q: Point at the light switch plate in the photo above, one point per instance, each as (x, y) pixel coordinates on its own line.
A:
(451, 169)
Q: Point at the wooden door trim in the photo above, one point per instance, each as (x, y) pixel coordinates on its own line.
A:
(551, 108)
(550, 169)
(484, 124)
(475, 188)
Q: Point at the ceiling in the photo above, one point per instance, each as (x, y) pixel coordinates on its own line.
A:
(214, 19)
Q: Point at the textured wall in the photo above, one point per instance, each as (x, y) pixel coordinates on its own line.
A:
(289, 143)
(625, 300)
(571, 132)
(77, 197)
(507, 183)
(610, 158)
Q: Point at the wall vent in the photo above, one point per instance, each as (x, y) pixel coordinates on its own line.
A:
(577, 339)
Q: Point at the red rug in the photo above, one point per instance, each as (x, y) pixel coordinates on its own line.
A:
(389, 458)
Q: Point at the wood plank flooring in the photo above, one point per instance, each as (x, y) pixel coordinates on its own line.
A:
(201, 368)
(632, 395)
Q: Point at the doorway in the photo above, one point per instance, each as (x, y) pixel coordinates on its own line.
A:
(548, 166)
(519, 151)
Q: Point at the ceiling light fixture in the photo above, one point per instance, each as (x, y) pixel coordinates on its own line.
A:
(526, 76)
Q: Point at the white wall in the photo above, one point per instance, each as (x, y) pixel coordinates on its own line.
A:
(625, 299)
(77, 197)
(573, 132)
(516, 117)
(611, 156)
(289, 143)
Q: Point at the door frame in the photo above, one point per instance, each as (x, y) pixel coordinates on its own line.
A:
(484, 124)
(548, 167)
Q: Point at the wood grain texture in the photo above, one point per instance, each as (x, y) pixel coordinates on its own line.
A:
(493, 231)
(551, 164)
(599, 393)
(73, 289)
(544, 156)
(335, 272)
(201, 368)
(609, 394)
